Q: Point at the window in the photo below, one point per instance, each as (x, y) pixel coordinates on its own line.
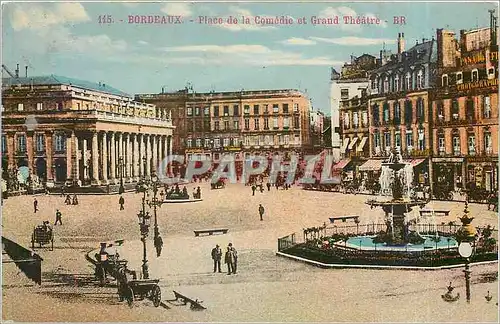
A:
(256, 123)
(190, 111)
(373, 84)
(441, 145)
(491, 73)
(397, 113)
(60, 106)
(198, 142)
(189, 143)
(296, 123)
(286, 122)
(246, 109)
(440, 110)
(408, 112)
(344, 94)
(21, 143)
(454, 109)
(266, 123)
(470, 109)
(364, 120)
(376, 139)
(408, 81)
(226, 110)
(247, 124)
(20, 107)
(409, 140)
(420, 110)
(488, 144)
(285, 108)
(420, 79)
(421, 139)
(207, 142)
(255, 109)
(266, 108)
(397, 140)
(386, 112)
(286, 139)
(216, 111)
(236, 110)
(197, 111)
(40, 142)
(386, 84)
(206, 111)
(4, 144)
(387, 140)
(39, 106)
(456, 143)
(216, 125)
(295, 107)
(471, 141)
(444, 80)
(226, 125)
(375, 115)
(459, 78)
(275, 108)
(275, 122)
(346, 120)
(396, 83)
(268, 140)
(475, 75)
(355, 119)
(486, 107)
(217, 142)
(236, 125)
(226, 142)
(60, 143)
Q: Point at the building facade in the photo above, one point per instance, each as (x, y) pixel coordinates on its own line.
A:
(78, 133)
(465, 110)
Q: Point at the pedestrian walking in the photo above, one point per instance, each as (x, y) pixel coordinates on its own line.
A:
(35, 205)
(253, 190)
(261, 186)
(58, 217)
(217, 256)
(268, 186)
(122, 202)
(261, 211)
(235, 256)
(198, 192)
(158, 245)
(68, 200)
(75, 200)
(229, 260)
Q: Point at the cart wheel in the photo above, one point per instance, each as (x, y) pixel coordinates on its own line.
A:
(156, 295)
(130, 297)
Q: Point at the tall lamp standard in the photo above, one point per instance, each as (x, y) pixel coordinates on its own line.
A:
(155, 202)
(467, 237)
(120, 168)
(144, 221)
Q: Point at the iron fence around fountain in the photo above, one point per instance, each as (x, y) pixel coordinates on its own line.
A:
(287, 242)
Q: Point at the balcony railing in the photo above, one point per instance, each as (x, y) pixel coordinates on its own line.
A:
(107, 116)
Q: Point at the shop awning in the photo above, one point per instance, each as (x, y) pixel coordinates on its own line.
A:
(341, 164)
(344, 145)
(354, 140)
(416, 162)
(362, 144)
(371, 165)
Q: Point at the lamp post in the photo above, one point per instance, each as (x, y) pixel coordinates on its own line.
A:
(144, 219)
(120, 168)
(155, 202)
(466, 236)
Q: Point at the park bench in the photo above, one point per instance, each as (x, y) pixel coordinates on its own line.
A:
(343, 218)
(210, 231)
(195, 304)
(436, 212)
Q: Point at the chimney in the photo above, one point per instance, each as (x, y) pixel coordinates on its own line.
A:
(17, 71)
(26, 71)
(401, 43)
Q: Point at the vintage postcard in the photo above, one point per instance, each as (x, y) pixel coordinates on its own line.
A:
(249, 161)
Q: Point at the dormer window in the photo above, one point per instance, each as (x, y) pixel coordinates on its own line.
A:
(459, 77)
(386, 84)
(420, 79)
(475, 75)
(396, 83)
(408, 81)
(444, 80)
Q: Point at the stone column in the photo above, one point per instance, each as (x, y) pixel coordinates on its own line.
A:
(128, 159)
(169, 144)
(135, 155)
(112, 150)
(141, 155)
(155, 154)
(48, 151)
(76, 159)
(95, 160)
(104, 155)
(148, 156)
(30, 149)
(69, 160)
(165, 153)
(11, 149)
(85, 160)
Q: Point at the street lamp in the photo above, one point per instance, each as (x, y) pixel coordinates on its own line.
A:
(120, 168)
(466, 236)
(144, 219)
(155, 202)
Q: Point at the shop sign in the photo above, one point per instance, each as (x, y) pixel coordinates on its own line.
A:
(478, 85)
(479, 57)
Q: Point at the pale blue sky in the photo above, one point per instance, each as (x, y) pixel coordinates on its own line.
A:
(67, 39)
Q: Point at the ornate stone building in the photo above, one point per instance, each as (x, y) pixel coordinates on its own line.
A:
(79, 133)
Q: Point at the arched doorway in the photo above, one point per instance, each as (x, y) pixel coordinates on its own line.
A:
(60, 168)
(41, 168)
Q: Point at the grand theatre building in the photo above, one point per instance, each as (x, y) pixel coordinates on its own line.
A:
(79, 133)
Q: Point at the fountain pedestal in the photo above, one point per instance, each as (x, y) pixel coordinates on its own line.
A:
(398, 229)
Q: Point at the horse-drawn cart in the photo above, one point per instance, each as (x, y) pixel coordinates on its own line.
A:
(220, 184)
(139, 290)
(42, 235)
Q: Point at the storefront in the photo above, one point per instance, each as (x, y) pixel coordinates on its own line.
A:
(482, 172)
(448, 171)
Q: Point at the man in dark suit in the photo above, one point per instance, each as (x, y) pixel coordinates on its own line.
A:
(216, 256)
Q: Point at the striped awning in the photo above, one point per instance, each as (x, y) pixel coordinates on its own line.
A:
(344, 145)
(362, 144)
(341, 164)
(371, 165)
(353, 142)
(416, 162)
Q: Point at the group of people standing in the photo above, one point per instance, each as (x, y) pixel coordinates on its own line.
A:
(230, 258)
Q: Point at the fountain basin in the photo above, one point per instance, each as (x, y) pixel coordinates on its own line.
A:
(366, 243)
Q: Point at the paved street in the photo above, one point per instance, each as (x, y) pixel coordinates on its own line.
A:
(267, 287)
